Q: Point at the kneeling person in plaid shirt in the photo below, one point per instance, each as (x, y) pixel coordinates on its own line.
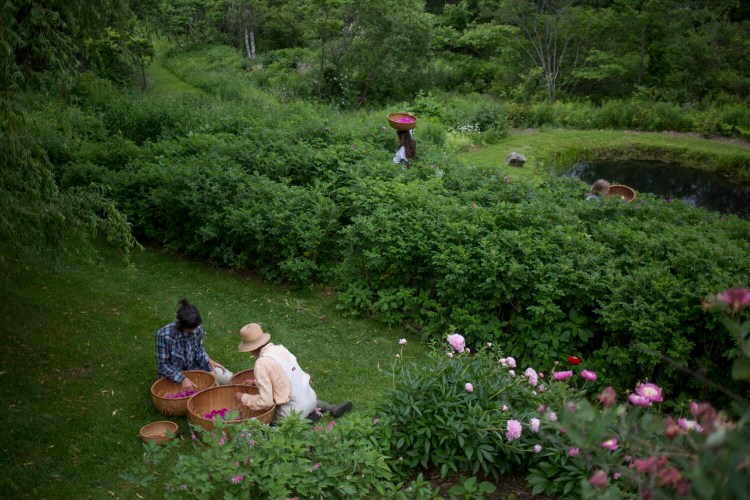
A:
(179, 347)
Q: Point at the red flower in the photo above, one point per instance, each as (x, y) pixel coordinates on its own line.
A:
(574, 360)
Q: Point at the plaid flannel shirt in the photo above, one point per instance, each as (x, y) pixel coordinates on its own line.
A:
(176, 351)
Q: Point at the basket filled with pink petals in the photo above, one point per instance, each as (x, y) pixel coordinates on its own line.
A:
(240, 378)
(402, 121)
(220, 403)
(171, 399)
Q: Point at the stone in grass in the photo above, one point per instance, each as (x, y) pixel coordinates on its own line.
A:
(515, 159)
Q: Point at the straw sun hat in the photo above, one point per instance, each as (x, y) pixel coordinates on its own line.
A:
(252, 337)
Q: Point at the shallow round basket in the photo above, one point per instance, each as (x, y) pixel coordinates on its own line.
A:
(175, 407)
(240, 378)
(625, 193)
(401, 126)
(220, 397)
(156, 432)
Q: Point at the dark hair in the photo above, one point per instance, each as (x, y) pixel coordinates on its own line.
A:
(188, 315)
(407, 141)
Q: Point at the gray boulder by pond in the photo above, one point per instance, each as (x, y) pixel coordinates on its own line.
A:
(515, 159)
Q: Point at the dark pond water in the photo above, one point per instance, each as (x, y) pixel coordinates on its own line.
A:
(696, 187)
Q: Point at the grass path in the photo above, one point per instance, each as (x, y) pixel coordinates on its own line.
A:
(78, 360)
(546, 150)
(163, 81)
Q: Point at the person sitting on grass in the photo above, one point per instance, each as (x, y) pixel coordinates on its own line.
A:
(280, 380)
(598, 189)
(179, 347)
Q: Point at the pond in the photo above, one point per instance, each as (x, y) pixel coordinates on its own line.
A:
(695, 187)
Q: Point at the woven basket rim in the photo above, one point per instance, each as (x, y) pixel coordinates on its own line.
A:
(262, 416)
(186, 372)
(239, 374)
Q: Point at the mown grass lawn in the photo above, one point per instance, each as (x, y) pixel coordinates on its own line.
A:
(549, 150)
(78, 359)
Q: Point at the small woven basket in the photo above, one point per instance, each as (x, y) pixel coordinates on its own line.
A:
(221, 397)
(157, 432)
(625, 193)
(402, 126)
(240, 378)
(175, 407)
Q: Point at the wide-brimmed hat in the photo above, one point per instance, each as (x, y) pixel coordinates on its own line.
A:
(252, 337)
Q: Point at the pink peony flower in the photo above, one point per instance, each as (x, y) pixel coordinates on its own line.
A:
(573, 452)
(457, 341)
(738, 298)
(535, 424)
(530, 374)
(542, 388)
(689, 425)
(562, 375)
(617, 475)
(402, 342)
(652, 392)
(537, 448)
(599, 479)
(514, 430)
(610, 444)
(608, 397)
(468, 387)
(512, 373)
(237, 479)
(588, 375)
(552, 416)
(375, 420)
(541, 408)
(639, 400)
(509, 362)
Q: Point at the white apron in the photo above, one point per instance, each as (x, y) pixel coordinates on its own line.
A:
(304, 399)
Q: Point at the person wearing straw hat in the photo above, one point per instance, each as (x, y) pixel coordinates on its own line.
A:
(280, 380)
(179, 347)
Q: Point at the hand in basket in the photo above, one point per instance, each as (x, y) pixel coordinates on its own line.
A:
(238, 396)
(188, 385)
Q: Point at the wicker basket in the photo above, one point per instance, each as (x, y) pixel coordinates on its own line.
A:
(156, 432)
(625, 193)
(220, 397)
(401, 126)
(240, 378)
(178, 406)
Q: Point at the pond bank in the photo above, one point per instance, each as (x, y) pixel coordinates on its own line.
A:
(547, 151)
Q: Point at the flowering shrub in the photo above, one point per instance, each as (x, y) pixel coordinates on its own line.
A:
(462, 411)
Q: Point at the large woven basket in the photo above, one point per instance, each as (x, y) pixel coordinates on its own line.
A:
(178, 406)
(240, 378)
(625, 193)
(221, 397)
(157, 432)
(401, 125)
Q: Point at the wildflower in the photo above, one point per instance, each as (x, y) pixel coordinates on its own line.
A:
(541, 408)
(689, 425)
(535, 424)
(574, 360)
(530, 374)
(562, 375)
(468, 387)
(512, 373)
(668, 476)
(237, 479)
(331, 424)
(572, 407)
(222, 441)
(315, 467)
(588, 375)
(183, 486)
(738, 298)
(375, 420)
(599, 479)
(449, 354)
(514, 430)
(573, 452)
(617, 475)
(610, 444)
(608, 397)
(505, 407)
(639, 400)
(552, 416)
(652, 392)
(193, 436)
(489, 344)
(542, 388)
(457, 341)
(537, 448)
(402, 342)
(398, 356)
